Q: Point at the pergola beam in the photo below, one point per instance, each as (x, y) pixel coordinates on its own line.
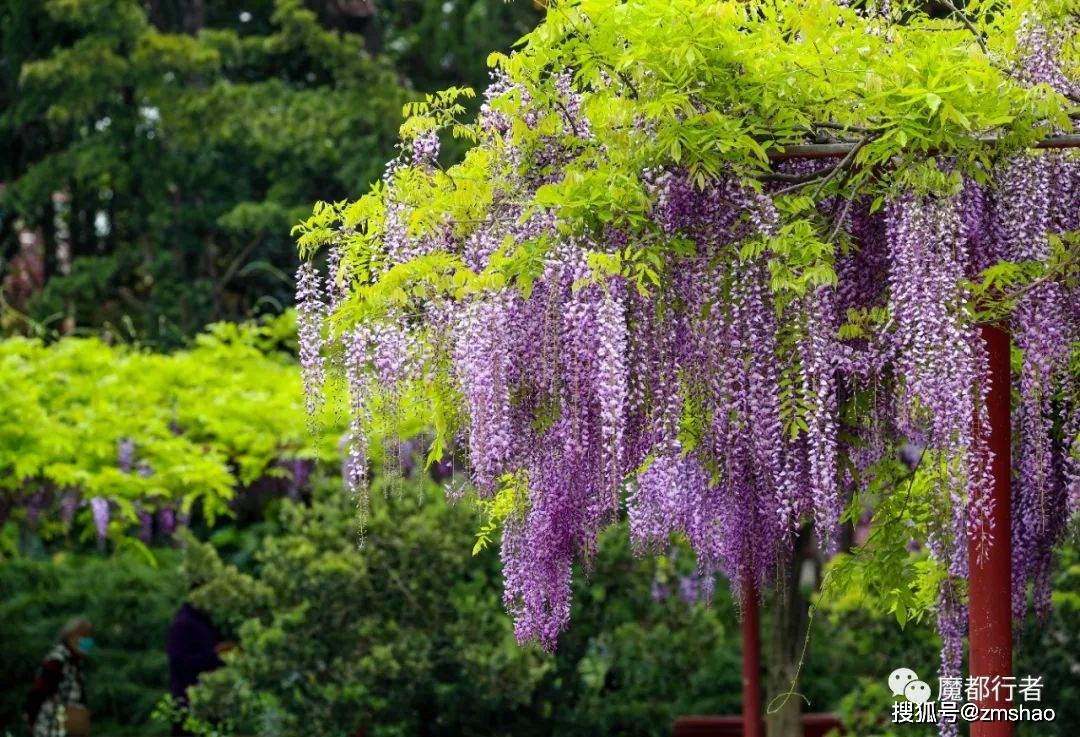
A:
(840, 150)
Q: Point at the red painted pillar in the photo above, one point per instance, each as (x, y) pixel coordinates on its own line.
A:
(990, 587)
(753, 723)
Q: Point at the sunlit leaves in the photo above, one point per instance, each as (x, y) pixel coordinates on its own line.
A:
(882, 571)
(203, 422)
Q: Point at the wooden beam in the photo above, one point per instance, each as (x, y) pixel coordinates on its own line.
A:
(840, 150)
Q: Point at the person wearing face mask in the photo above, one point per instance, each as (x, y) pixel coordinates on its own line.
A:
(56, 706)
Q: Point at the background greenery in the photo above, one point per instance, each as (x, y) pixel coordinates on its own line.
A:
(203, 428)
(130, 602)
(157, 153)
(395, 635)
(162, 150)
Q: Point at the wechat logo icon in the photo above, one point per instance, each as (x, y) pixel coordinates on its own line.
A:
(905, 682)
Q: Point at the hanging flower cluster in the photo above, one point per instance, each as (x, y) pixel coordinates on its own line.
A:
(606, 312)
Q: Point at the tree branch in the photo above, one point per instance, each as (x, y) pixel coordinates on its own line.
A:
(816, 177)
(793, 178)
(979, 37)
(844, 164)
(830, 125)
(838, 150)
(840, 218)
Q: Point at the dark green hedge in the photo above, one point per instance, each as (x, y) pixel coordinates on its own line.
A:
(130, 603)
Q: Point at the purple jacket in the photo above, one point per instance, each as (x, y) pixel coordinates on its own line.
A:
(192, 637)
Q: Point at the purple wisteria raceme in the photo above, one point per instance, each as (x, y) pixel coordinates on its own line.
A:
(1039, 494)
(354, 461)
(166, 519)
(482, 362)
(310, 311)
(1071, 462)
(938, 358)
(336, 279)
(146, 526)
(425, 148)
(927, 304)
(1030, 206)
(952, 625)
(819, 394)
(611, 386)
(1021, 210)
(99, 508)
(125, 454)
(1041, 51)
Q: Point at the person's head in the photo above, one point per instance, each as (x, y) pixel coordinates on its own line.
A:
(78, 635)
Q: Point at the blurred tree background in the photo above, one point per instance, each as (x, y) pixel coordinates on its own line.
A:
(158, 152)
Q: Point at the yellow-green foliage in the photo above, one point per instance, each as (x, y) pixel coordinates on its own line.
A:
(711, 87)
(203, 420)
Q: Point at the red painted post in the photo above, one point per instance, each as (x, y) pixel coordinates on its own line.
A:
(990, 583)
(753, 723)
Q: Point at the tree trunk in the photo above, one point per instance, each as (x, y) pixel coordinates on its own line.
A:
(193, 16)
(790, 610)
(50, 257)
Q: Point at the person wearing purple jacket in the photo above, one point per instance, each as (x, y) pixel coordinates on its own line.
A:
(194, 647)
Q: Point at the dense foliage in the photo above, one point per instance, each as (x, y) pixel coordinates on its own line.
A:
(855, 639)
(642, 649)
(434, 43)
(97, 437)
(400, 635)
(158, 152)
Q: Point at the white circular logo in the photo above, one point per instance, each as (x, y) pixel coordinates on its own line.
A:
(900, 678)
(918, 692)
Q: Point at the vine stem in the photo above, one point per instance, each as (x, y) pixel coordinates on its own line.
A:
(1074, 259)
(979, 37)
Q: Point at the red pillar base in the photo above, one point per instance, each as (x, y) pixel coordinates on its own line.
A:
(753, 723)
(990, 579)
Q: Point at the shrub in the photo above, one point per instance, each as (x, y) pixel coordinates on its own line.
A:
(184, 431)
(404, 635)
